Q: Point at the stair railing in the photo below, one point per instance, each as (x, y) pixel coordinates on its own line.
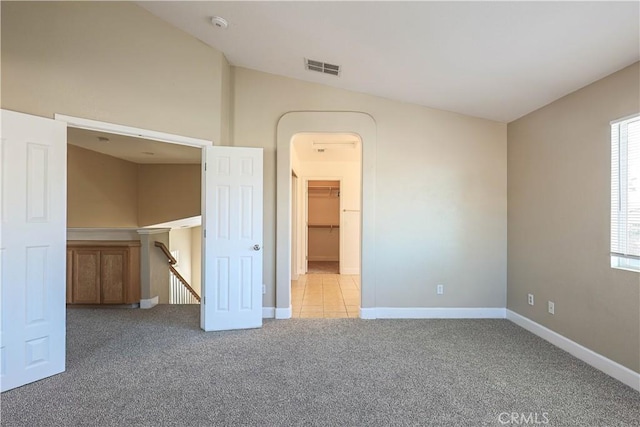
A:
(180, 292)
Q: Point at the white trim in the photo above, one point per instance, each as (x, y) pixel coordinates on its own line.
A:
(194, 221)
(81, 123)
(295, 276)
(598, 361)
(268, 312)
(102, 234)
(624, 119)
(149, 303)
(283, 313)
(353, 270)
(621, 262)
(153, 230)
(367, 313)
(433, 313)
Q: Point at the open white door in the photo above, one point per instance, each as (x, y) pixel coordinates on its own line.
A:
(33, 248)
(232, 241)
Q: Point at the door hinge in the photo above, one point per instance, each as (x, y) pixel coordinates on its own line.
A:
(205, 233)
(204, 300)
(205, 166)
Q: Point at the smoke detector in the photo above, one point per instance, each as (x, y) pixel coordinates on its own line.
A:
(219, 22)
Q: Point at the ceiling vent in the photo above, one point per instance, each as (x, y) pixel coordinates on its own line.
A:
(322, 67)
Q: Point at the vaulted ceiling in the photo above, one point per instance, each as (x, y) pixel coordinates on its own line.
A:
(495, 60)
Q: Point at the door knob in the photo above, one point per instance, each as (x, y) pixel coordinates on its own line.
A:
(256, 247)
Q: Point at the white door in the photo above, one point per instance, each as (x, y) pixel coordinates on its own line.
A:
(232, 241)
(33, 248)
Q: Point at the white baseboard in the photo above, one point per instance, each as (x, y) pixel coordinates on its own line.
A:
(432, 313)
(283, 313)
(295, 276)
(268, 312)
(149, 303)
(367, 313)
(598, 361)
(354, 270)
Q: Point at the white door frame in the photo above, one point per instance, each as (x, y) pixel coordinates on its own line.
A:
(95, 125)
(77, 122)
(295, 232)
(306, 213)
(288, 126)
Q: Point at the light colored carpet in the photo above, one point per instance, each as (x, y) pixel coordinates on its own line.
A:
(156, 368)
(323, 267)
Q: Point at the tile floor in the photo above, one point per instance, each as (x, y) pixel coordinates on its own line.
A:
(326, 295)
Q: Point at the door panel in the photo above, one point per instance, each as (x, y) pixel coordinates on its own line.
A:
(69, 276)
(33, 248)
(232, 224)
(113, 268)
(86, 276)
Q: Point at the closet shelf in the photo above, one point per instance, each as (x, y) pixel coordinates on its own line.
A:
(324, 191)
(323, 226)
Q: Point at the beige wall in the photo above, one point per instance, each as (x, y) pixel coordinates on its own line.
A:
(440, 191)
(159, 268)
(168, 192)
(324, 244)
(110, 61)
(226, 119)
(559, 213)
(180, 240)
(101, 190)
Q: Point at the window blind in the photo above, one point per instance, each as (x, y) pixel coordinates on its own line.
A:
(625, 188)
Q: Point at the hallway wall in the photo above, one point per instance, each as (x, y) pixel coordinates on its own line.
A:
(440, 191)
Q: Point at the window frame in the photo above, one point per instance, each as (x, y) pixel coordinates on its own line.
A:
(620, 184)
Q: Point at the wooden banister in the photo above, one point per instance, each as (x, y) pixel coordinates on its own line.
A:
(166, 252)
(172, 262)
(184, 283)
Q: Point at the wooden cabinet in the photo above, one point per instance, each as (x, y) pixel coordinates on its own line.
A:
(103, 272)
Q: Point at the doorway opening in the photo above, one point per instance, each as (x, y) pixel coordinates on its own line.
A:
(323, 226)
(358, 124)
(134, 215)
(326, 199)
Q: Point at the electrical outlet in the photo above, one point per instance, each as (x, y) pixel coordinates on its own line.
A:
(530, 299)
(440, 289)
(264, 289)
(552, 308)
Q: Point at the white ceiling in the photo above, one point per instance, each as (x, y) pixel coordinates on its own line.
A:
(338, 147)
(190, 222)
(136, 150)
(495, 60)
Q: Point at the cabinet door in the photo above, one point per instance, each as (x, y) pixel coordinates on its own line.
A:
(69, 276)
(86, 276)
(114, 270)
